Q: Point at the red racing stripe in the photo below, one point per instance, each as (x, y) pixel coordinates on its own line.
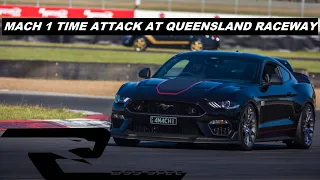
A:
(6, 124)
(277, 130)
(101, 117)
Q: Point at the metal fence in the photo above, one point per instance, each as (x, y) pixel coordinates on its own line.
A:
(293, 8)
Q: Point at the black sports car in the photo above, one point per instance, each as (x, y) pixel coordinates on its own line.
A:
(193, 43)
(217, 97)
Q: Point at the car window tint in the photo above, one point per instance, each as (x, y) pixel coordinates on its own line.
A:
(287, 65)
(223, 68)
(268, 71)
(231, 70)
(177, 68)
(285, 75)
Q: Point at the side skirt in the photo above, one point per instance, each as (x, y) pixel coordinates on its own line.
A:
(280, 138)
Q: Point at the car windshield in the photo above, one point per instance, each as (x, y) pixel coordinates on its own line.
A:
(221, 68)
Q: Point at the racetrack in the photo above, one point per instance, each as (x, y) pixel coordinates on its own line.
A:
(266, 161)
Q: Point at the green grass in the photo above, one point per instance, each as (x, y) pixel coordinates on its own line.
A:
(301, 54)
(81, 55)
(8, 112)
(55, 54)
(89, 46)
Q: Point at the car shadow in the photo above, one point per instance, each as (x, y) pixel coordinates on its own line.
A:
(223, 147)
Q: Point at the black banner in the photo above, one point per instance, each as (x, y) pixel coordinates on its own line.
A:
(156, 26)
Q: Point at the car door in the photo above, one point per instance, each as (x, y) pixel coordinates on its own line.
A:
(181, 38)
(276, 111)
(158, 39)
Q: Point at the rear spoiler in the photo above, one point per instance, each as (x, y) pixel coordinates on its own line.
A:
(301, 78)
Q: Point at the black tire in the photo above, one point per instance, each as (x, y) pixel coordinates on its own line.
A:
(248, 124)
(140, 44)
(305, 129)
(196, 45)
(126, 142)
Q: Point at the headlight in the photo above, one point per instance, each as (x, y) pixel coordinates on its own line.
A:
(224, 104)
(120, 99)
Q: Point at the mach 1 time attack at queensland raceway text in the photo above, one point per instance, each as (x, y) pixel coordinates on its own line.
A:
(156, 26)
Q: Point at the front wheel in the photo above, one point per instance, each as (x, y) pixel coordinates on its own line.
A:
(248, 127)
(140, 44)
(305, 129)
(196, 45)
(126, 142)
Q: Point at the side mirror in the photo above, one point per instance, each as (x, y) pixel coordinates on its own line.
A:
(274, 80)
(145, 73)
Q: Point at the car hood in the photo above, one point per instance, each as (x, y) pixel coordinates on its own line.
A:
(184, 88)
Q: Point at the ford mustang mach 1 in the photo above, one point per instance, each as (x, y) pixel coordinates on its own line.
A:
(217, 97)
(193, 43)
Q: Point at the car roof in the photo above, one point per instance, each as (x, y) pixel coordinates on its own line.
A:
(228, 53)
(280, 59)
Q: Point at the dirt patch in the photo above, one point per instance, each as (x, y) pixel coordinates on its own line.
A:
(318, 97)
(94, 88)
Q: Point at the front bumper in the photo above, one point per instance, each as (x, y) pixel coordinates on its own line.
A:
(176, 138)
(130, 125)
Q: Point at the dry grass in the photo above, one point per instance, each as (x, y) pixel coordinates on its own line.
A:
(8, 112)
(318, 97)
(94, 88)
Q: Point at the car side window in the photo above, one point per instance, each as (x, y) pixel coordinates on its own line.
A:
(177, 68)
(285, 74)
(269, 70)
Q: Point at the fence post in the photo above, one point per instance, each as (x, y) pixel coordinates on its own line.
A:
(4, 2)
(137, 4)
(236, 2)
(169, 5)
(102, 2)
(302, 8)
(269, 7)
(38, 3)
(70, 3)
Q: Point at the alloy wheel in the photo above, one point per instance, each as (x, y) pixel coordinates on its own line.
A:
(196, 46)
(249, 129)
(140, 44)
(308, 125)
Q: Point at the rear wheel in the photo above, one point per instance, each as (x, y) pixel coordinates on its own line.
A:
(248, 128)
(140, 44)
(305, 129)
(126, 142)
(196, 46)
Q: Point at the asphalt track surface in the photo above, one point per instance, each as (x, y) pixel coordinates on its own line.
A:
(125, 50)
(266, 161)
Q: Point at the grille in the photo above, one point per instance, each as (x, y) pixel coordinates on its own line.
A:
(167, 108)
(184, 126)
(220, 130)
